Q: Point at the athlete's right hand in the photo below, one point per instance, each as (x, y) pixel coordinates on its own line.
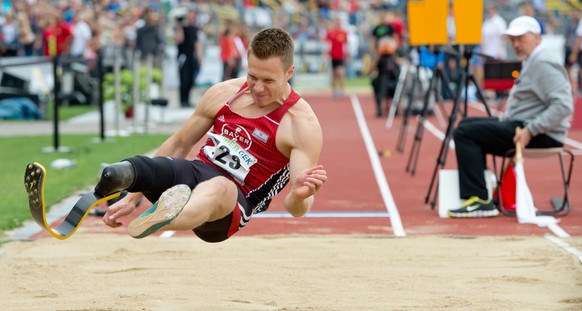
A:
(120, 209)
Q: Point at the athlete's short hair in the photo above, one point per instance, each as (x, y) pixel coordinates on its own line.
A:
(270, 42)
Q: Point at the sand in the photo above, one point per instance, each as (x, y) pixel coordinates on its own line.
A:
(113, 272)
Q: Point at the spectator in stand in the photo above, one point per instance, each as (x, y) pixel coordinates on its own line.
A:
(241, 42)
(492, 34)
(353, 51)
(81, 35)
(189, 54)
(26, 35)
(229, 54)
(383, 29)
(10, 44)
(323, 6)
(353, 12)
(380, 5)
(56, 35)
(128, 26)
(148, 39)
(337, 39)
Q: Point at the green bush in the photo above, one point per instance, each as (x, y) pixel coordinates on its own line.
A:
(126, 85)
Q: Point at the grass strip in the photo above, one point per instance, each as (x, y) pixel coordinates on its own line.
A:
(17, 152)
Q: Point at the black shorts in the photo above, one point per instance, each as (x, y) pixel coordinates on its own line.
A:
(337, 63)
(156, 175)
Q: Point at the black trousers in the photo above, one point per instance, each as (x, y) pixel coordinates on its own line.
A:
(475, 137)
(187, 71)
(384, 86)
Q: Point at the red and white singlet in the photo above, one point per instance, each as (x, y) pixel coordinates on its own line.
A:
(245, 149)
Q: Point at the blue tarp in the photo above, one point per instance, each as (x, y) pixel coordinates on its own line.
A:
(19, 108)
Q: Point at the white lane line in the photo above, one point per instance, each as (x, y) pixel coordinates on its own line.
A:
(324, 215)
(557, 230)
(565, 246)
(378, 170)
(167, 234)
(437, 133)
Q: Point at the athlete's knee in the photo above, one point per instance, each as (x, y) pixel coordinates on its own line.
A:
(217, 188)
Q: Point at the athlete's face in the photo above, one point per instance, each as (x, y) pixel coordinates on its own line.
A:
(267, 80)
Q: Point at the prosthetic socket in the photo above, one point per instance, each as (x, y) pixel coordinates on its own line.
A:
(115, 177)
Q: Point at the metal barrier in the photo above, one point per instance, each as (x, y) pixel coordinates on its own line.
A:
(63, 70)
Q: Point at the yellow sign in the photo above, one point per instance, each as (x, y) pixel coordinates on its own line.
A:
(468, 20)
(427, 21)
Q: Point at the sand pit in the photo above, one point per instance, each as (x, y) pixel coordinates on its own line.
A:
(111, 272)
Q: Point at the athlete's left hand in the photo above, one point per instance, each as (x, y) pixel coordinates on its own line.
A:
(309, 182)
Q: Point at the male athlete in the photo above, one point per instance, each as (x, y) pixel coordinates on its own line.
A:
(260, 136)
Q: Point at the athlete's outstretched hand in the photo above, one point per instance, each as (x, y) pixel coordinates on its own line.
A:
(120, 209)
(309, 182)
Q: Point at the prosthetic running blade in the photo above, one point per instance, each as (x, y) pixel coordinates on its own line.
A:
(34, 178)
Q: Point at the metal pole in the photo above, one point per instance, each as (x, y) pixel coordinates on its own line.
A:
(100, 102)
(56, 147)
(56, 102)
(150, 61)
(136, 68)
(117, 85)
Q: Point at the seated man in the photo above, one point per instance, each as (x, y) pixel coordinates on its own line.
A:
(540, 102)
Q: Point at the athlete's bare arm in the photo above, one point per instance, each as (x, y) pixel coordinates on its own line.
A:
(301, 138)
(181, 142)
(194, 129)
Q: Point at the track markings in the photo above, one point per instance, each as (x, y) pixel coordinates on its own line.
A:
(565, 246)
(387, 197)
(167, 234)
(324, 215)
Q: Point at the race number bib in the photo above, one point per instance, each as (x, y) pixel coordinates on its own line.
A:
(230, 156)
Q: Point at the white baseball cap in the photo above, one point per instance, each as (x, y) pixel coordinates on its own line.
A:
(522, 25)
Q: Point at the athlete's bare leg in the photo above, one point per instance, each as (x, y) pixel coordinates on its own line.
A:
(211, 200)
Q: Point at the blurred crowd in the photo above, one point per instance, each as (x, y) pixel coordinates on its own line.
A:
(81, 28)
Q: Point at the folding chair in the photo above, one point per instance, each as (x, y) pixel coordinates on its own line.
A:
(561, 206)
